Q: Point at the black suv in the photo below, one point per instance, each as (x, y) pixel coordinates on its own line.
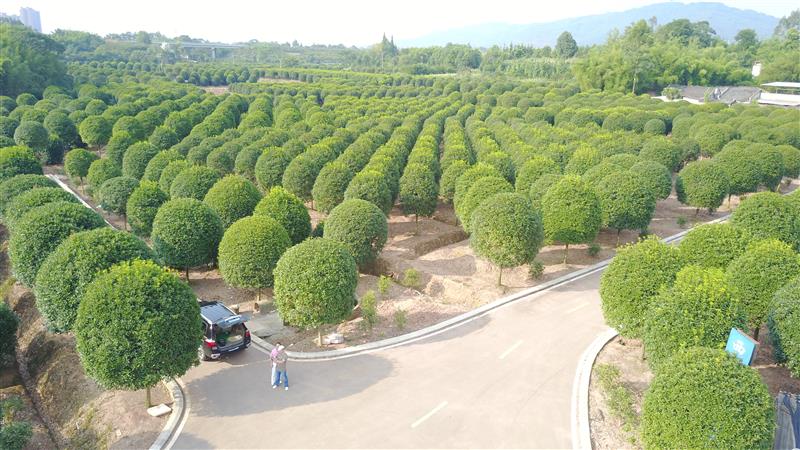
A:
(223, 331)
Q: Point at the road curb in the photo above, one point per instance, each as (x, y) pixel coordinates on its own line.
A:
(178, 409)
(581, 430)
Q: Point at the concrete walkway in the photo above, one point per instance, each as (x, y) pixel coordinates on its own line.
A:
(503, 380)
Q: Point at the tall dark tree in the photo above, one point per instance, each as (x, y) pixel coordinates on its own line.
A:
(566, 47)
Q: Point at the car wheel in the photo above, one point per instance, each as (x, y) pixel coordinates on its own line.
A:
(201, 354)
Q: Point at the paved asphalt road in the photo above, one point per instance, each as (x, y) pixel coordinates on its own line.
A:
(503, 380)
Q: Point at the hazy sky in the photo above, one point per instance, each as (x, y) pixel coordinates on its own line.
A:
(350, 22)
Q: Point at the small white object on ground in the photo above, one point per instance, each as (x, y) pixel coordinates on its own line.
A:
(159, 410)
(333, 338)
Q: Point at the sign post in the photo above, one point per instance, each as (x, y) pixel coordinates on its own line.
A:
(742, 346)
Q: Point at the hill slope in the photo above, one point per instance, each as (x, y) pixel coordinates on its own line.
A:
(587, 30)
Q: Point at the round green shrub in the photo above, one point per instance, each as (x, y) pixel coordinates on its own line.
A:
(156, 165)
(712, 138)
(18, 160)
(288, 211)
(702, 184)
(64, 275)
(245, 163)
(768, 215)
(714, 245)
(137, 324)
(783, 319)
(32, 135)
(771, 164)
(41, 230)
(662, 150)
(95, 130)
(584, 158)
(654, 177)
(315, 283)
(77, 162)
(142, 206)
(232, 198)
(532, 170)
(699, 309)
(636, 274)
(623, 160)
(506, 230)
(626, 205)
(469, 177)
(571, 212)
(117, 145)
(689, 404)
(7, 126)
(540, 187)
(480, 190)
(655, 126)
(170, 171)
(447, 184)
(193, 182)
(163, 138)
(135, 160)
(221, 160)
(418, 191)
(270, 167)
(755, 276)
(8, 332)
(742, 168)
(370, 185)
(330, 185)
(114, 194)
(250, 250)
(361, 227)
(791, 160)
(99, 172)
(186, 233)
(502, 162)
(19, 184)
(130, 125)
(29, 200)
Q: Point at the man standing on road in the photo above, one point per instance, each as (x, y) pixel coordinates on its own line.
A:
(280, 368)
(272, 358)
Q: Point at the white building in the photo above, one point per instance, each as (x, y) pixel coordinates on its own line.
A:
(30, 18)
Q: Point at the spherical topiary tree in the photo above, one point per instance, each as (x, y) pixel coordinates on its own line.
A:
(315, 283)
(768, 215)
(27, 201)
(771, 164)
(584, 158)
(541, 186)
(7, 126)
(288, 210)
(19, 184)
(480, 190)
(250, 250)
(270, 167)
(625, 203)
(418, 191)
(791, 160)
(171, 170)
(114, 194)
(117, 145)
(571, 213)
(654, 177)
(135, 160)
(8, 332)
(137, 324)
(130, 125)
(193, 182)
(742, 168)
(221, 159)
(33, 135)
(507, 231)
(689, 404)
(361, 227)
(330, 185)
(232, 198)
(783, 330)
(99, 172)
(714, 245)
(95, 130)
(186, 233)
(757, 274)
(77, 162)
(702, 184)
(712, 138)
(532, 170)
(163, 138)
(142, 206)
(447, 184)
(245, 162)
(469, 177)
(18, 160)
(699, 309)
(502, 162)
(634, 277)
(157, 164)
(662, 150)
(655, 126)
(64, 275)
(370, 185)
(41, 230)
(300, 174)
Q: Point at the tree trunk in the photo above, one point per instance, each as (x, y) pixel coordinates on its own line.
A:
(416, 224)
(319, 336)
(500, 277)
(619, 230)
(258, 296)
(755, 333)
(125, 221)
(696, 212)
(729, 201)
(187, 274)
(566, 251)
(149, 403)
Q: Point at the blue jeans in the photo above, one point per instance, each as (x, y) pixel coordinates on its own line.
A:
(278, 374)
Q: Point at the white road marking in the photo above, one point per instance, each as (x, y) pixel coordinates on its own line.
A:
(186, 411)
(510, 349)
(428, 416)
(572, 310)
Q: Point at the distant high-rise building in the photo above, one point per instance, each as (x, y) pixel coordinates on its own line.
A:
(30, 18)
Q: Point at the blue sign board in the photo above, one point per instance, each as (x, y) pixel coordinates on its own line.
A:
(741, 346)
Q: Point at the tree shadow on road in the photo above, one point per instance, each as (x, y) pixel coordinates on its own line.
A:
(190, 441)
(245, 388)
